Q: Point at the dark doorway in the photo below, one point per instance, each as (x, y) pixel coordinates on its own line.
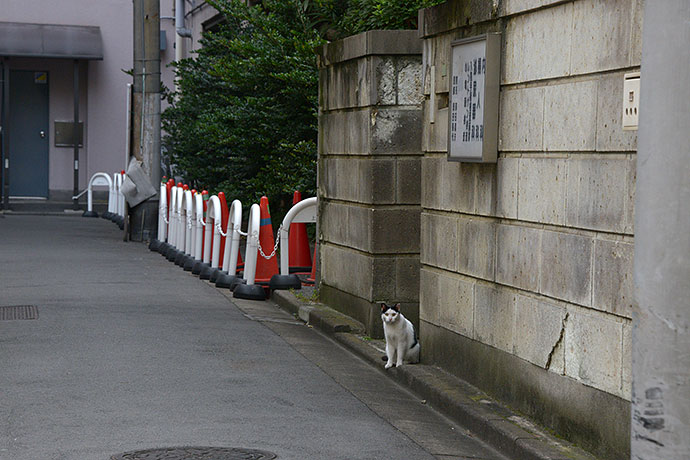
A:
(28, 134)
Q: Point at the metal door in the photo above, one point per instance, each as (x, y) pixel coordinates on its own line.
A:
(28, 133)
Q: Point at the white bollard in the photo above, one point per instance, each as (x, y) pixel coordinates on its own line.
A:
(232, 246)
(303, 212)
(250, 290)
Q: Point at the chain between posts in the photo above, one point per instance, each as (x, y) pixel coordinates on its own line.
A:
(275, 247)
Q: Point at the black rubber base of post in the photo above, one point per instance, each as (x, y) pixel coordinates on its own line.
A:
(154, 244)
(179, 258)
(205, 272)
(282, 282)
(106, 215)
(215, 273)
(172, 253)
(237, 282)
(225, 281)
(249, 292)
(90, 214)
(189, 264)
(198, 266)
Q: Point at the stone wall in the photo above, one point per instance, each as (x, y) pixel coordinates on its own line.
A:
(526, 265)
(370, 123)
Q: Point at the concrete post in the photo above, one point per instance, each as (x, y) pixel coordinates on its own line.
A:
(661, 340)
(370, 122)
(146, 108)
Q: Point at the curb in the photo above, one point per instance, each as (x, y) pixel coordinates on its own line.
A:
(495, 424)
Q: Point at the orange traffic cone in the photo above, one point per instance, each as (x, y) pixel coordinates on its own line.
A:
(299, 259)
(265, 268)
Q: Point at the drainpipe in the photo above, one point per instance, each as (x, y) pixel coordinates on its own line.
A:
(182, 32)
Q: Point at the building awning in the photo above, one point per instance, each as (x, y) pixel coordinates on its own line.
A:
(50, 41)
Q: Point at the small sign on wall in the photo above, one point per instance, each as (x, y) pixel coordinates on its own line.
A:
(473, 99)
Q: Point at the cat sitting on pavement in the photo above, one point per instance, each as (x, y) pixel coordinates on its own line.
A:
(401, 340)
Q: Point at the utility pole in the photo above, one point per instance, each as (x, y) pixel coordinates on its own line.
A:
(146, 111)
(661, 319)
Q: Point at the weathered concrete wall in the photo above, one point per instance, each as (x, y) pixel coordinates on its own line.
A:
(526, 265)
(370, 123)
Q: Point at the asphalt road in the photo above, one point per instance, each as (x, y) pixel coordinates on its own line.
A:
(129, 352)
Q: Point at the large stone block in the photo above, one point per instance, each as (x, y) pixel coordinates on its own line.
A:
(409, 74)
(570, 116)
(428, 296)
(358, 229)
(601, 35)
(458, 186)
(386, 80)
(396, 131)
(440, 49)
(636, 36)
(613, 286)
(537, 45)
(477, 247)
(395, 230)
(439, 234)
(334, 219)
(347, 270)
(539, 332)
(456, 304)
(610, 134)
(631, 182)
(435, 135)
(373, 42)
(519, 6)
(408, 180)
(521, 125)
(381, 176)
(507, 187)
(485, 189)
(566, 267)
(542, 190)
(596, 193)
(383, 279)
(517, 256)
(626, 390)
(494, 316)
(593, 351)
(407, 278)
(432, 186)
(349, 85)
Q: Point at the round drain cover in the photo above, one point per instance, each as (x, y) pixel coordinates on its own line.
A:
(196, 453)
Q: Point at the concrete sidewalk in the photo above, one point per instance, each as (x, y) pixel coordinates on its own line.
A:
(129, 352)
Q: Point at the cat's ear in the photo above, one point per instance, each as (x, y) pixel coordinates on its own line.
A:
(396, 307)
(384, 307)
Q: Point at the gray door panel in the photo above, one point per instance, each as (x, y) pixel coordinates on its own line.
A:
(28, 133)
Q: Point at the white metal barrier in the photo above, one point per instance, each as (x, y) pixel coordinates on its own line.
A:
(303, 212)
(163, 214)
(213, 213)
(232, 238)
(99, 179)
(250, 290)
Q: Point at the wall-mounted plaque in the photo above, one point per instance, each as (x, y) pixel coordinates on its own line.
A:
(473, 99)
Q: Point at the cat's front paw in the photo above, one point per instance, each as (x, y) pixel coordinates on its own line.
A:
(399, 364)
(389, 364)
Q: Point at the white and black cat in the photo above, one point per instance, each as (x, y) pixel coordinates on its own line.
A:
(401, 340)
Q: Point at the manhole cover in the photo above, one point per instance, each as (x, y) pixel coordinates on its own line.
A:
(196, 453)
(16, 312)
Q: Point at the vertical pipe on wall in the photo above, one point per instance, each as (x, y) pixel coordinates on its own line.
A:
(75, 135)
(5, 121)
(661, 318)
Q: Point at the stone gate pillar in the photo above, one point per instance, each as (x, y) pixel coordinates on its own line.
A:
(370, 121)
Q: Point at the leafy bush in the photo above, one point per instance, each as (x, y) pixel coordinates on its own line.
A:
(244, 120)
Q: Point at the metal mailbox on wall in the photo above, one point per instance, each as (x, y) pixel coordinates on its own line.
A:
(473, 99)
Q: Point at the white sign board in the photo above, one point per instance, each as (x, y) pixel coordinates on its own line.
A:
(473, 99)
